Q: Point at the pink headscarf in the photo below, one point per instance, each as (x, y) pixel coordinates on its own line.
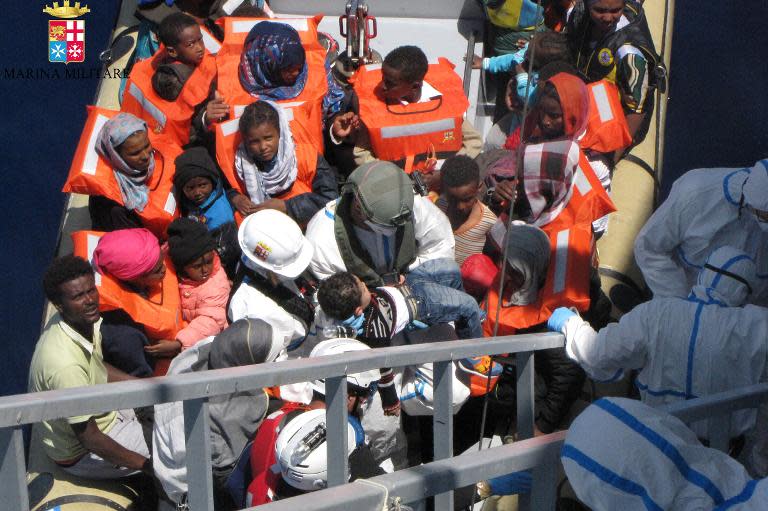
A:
(126, 254)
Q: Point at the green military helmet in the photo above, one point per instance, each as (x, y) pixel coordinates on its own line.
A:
(384, 191)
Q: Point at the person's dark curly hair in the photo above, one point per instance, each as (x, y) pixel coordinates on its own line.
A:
(258, 113)
(170, 29)
(459, 170)
(339, 295)
(61, 270)
(410, 61)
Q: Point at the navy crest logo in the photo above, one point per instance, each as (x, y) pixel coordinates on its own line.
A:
(605, 57)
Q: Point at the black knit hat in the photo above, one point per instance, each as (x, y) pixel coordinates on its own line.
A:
(194, 162)
(188, 240)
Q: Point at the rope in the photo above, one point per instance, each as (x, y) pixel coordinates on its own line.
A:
(526, 106)
(385, 506)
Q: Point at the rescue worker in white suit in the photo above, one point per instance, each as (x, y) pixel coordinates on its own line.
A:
(621, 454)
(684, 348)
(706, 208)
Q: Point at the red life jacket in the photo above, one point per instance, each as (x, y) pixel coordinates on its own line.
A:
(607, 128)
(173, 118)
(228, 139)
(407, 134)
(566, 285)
(263, 486)
(309, 101)
(90, 174)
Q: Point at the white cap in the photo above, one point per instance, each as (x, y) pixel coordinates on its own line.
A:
(302, 467)
(756, 186)
(336, 347)
(273, 241)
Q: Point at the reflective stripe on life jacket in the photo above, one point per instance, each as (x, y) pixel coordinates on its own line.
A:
(405, 134)
(262, 487)
(209, 40)
(173, 118)
(567, 284)
(607, 129)
(589, 201)
(159, 313)
(91, 174)
(228, 139)
(310, 99)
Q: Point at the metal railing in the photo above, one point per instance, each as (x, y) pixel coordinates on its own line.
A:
(194, 389)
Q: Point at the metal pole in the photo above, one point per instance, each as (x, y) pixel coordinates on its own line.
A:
(544, 488)
(336, 421)
(442, 422)
(525, 414)
(13, 472)
(197, 434)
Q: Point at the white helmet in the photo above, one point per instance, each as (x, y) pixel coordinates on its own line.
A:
(273, 241)
(336, 347)
(302, 453)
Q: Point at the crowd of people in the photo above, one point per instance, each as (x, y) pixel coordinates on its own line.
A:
(250, 205)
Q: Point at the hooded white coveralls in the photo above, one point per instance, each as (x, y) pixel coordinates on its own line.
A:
(684, 347)
(434, 237)
(706, 209)
(620, 454)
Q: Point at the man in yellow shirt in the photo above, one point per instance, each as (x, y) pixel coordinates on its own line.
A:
(68, 354)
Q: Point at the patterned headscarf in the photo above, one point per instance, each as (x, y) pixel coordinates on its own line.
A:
(270, 47)
(548, 173)
(132, 182)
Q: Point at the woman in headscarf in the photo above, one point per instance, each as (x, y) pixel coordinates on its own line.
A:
(135, 259)
(524, 305)
(274, 66)
(277, 172)
(139, 168)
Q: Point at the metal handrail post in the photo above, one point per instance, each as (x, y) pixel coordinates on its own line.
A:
(198, 456)
(336, 421)
(13, 480)
(442, 422)
(525, 414)
(544, 488)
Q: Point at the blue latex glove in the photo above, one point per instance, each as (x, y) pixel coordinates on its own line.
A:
(510, 484)
(556, 321)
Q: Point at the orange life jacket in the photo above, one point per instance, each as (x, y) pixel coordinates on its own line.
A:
(589, 201)
(309, 101)
(607, 128)
(159, 313)
(567, 284)
(173, 118)
(91, 174)
(228, 139)
(212, 44)
(406, 134)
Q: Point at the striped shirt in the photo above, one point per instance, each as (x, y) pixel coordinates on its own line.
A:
(470, 237)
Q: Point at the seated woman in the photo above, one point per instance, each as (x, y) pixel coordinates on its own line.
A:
(537, 278)
(139, 298)
(610, 40)
(275, 171)
(142, 168)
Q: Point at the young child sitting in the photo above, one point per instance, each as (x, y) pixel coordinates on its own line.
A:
(203, 284)
(202, 197)
(470, 219)
(184, 48)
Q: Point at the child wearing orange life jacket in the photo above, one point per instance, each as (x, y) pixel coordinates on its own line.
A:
(203, 285)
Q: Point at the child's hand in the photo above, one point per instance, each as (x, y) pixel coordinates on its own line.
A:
(244, 205)
(216, 110)
(345, 124)
(276, 204)
(164, 348)
(477, 62)
(505, 191)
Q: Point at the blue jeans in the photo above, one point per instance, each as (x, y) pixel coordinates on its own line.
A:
(437, 286)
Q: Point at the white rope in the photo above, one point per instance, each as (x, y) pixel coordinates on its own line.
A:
(385, 506)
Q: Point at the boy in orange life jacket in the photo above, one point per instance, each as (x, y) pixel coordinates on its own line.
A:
(183, 41)
(402, 83)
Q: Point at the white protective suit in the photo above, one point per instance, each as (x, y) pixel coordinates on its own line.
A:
(684, 347)
(620, 454)
(434, 237)
(706, 209)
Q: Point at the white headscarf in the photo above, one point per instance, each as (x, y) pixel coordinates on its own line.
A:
(267, 179)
